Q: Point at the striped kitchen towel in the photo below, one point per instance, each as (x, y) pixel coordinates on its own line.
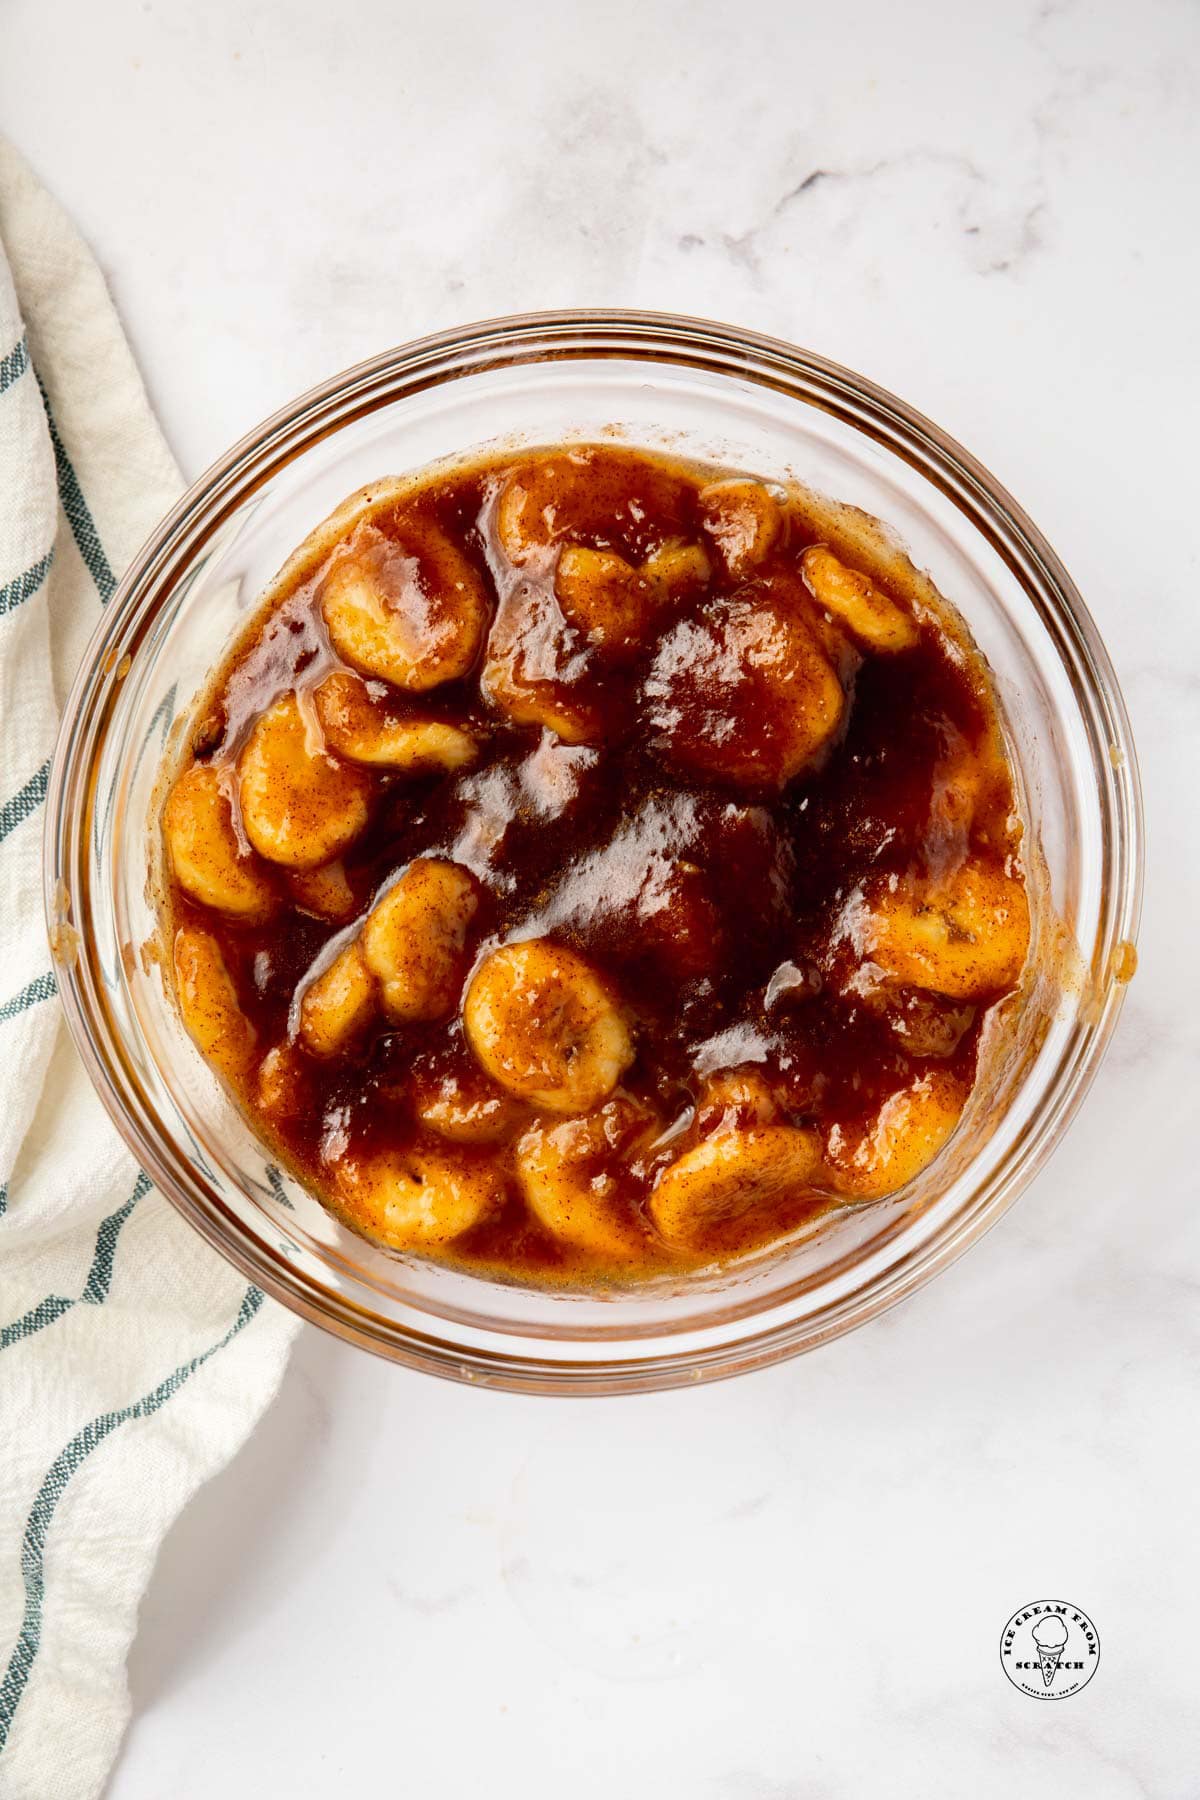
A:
(133, 1362)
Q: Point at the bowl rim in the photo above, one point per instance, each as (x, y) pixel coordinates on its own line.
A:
(540, 337)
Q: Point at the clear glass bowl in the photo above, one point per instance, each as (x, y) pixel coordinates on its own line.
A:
(699, 389)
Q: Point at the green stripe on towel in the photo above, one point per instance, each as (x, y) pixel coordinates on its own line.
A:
(42, 987)
(83, 526)
(26, 802)
(36, 1319)
(14, 593)
(99, 1277)
(95, 1291)
(37, 1527)
(14, 365)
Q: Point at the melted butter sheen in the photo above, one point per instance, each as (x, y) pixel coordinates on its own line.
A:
(665, 898)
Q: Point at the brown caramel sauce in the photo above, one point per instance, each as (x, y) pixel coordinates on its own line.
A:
(717, 912)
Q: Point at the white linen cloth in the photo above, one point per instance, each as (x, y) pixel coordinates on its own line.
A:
(133, 1361)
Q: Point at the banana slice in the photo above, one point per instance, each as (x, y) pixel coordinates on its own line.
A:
(604, 597)
(530, 501)
(854, 599)
(513, 686)
(612, 603)
(600, 497)
(340, 1004)
(208, 1002)
(552, 498)
(363, 728)
(545, 1026)
(702, 1201)
(283, 1084)
(300, 806)
(677, 570)
(924, 1023)
(744, 521)
(539, 706)
(325, 892)
(966, 939)
(205, 855)
(733, 1098)
(536, 670)
(408, 607)
(746, 693)
(415, 937)
(462, 1105)
(419, 1198)
(903, 1138)
(570, 1174)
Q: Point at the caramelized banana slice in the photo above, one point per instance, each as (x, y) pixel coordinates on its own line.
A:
(966, 939)
(463, 1105)
(530, 501)
(419, 1198)
(733, 1098)
(205, 855)
(545, 1026)
(339, 1004)
(744, 521)
(925, 1024)
(613, 604)
(745, 693)
(408, 607)
(300, 806)
(537, 669)
(363, 728)
(325, 892)
(570, 1174)
(604, 597)
(903, 1138)
(677, 570)
(284, 1088)
(414, 938)
(855, 600)
(538, 705)
(702, 1200)
(604, 498)
(208, 1002)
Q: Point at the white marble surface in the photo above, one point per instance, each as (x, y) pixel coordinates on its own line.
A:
(792, 1585)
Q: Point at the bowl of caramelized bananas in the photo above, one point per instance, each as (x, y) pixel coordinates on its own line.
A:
(594, 851)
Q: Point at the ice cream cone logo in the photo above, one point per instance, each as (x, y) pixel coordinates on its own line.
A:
(1050, 1637)
(1050, 1649)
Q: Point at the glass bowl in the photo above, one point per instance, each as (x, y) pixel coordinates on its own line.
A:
(698, 389)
